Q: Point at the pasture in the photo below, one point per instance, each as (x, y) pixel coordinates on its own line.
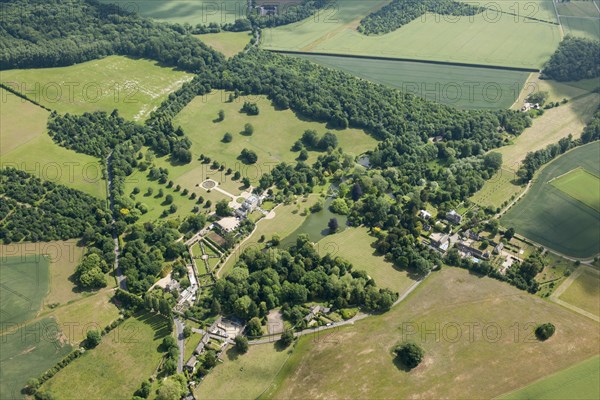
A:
(548, 216)
(557, 91)
(474, 326)
(228, 43)
(556, 123)
(581, 381)
(27, 351)
(580, 185)
(489, 38)
(133, 86)
(462, 87)
(584, 293)
(578, 8)
(26, 145)
(23, 286)
(498, 190)
(585, 27)
(252, 373)
(99, 373)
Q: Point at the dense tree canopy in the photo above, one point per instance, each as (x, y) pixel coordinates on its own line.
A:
(575, 59)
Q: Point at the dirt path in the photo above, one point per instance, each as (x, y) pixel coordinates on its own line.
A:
(566, 284)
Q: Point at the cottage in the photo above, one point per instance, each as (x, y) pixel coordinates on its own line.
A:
(498, 248)
(454, 217)
(468, 250)
(424, 214)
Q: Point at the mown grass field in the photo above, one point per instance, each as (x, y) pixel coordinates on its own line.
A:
(581, 381)
(28, 351)
(133, 86)
(462, 87)
(193, 12)
(556, 123)
(130, 348)
(354, 245)
(580, 185)
(23, 286)
(252, 373)
(228, 43)
(24, 144)
(550, 217)
(584, 292)
(484, 364)
(499, 189)
(491, 38)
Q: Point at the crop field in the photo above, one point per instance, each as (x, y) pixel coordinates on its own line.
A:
(462, 87)
(132, 347)
(354, 245)
(193, 12)
(28, 351)
(584, 293)
(556, 123)
(580, 185)
(490, 38)
(581, 381)
(24, 144)
(585, 27)
(23, 286)
(457, 310)
(252, 373)
(228, 43)
(550, 217)
(133, 86)
(557, 91)
(576, 8)
(497, 190)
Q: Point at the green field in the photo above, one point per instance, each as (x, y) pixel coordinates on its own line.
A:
(23, 286)
(26, 352)
(584, 293)
(452, 299)
(463, 87)
(550, 217)
(488, 38)
(252, 373)
(24, 144)
(576, 8)
(133, 86)
(100, 373)
(228, 43)
(580, 185)
(584, 27)
(354, 245)
(194, 12)
(497, 190)
(581, 381)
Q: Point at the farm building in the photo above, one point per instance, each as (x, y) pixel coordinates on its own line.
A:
(440, 241)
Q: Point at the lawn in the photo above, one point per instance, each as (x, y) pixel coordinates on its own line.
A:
(228, 43)
(193, 12)
(498, 190)
(462, 87)
(584, 293)
(476, 327)
(556, 123)
(354, 244)
(550, 217)
(580, 185)
(133, 86)
(117, 367)
(26, 145)
(24, 285)
(581, 381)
(275, 131)
(27, 352)
(252, 373)
(490, 38)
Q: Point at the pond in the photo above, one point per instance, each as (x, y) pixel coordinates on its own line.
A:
(315, 226)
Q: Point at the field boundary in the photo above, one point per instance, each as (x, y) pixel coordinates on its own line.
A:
(555, 297)
(415, 60)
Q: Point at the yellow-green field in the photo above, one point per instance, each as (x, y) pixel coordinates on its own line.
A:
(584, 293)
(228, 43)
(581, 185)
(130, 348)
(478, 328)
(354, 245)
(252, 373)
(24, 144)
(133, 86)
(581, 381)
(499, 189)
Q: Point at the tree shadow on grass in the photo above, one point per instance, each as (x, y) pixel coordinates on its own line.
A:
(157, 322)
(232, 354)
(401, 365)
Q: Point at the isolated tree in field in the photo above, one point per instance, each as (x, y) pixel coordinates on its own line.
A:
(333, 225)
(409, 354)
(92, 338)
(287, 338)
(248, 156)
(303, 156)
(248, 129)
(221, 115)
(227, 137)
(169, 199)
(241, 344)
(208, 204)
(222, 208)
(236, 175)
(246, 182)
(545, 331)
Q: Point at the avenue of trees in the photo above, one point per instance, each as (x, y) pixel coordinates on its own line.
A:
(575, 59)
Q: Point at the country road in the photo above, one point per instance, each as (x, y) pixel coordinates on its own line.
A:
(181, 343)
